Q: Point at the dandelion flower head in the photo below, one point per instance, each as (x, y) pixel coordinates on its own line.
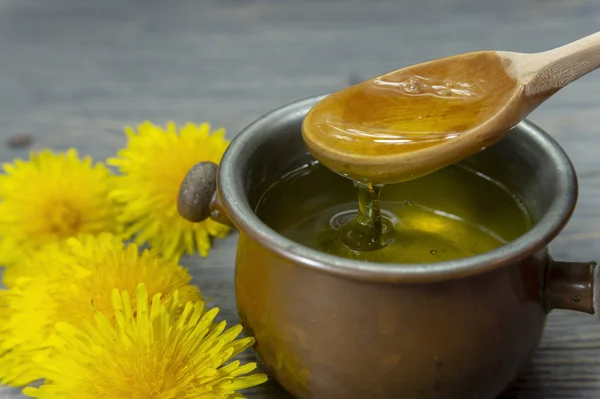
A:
(151, 352)
(50, 197)
(73, 280)
(152, 167)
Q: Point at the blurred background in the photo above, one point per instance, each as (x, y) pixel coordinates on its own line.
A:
(75, 72)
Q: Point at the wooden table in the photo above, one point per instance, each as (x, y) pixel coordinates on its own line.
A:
(73, 73)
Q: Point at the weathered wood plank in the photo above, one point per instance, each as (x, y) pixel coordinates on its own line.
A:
(73, 73)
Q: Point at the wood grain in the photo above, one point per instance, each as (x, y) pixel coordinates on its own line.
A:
(73, 73)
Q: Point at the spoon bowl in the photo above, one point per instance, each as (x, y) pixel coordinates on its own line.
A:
(415, 120)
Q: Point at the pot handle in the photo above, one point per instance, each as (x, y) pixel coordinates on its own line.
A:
(198, 199)
(573, 286)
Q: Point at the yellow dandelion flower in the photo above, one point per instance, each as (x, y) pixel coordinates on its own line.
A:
(152, 167)
(72, 280)
(150, 353)
(52, 197)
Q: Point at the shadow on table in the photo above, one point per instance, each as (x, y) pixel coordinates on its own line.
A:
(269, 390)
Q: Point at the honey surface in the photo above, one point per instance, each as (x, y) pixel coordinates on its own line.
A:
(451, 213)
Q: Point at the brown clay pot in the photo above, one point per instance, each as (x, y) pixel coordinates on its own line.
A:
(331, 328)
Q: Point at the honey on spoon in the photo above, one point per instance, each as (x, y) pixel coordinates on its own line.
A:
(413, 121)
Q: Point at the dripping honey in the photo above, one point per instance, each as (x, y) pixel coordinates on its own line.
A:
(401, 112)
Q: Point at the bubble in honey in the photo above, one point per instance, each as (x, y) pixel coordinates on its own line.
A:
(413, 86)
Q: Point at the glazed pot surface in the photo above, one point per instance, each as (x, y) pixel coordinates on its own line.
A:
(323, 336)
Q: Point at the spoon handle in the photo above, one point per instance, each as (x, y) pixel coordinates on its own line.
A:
(549, 71)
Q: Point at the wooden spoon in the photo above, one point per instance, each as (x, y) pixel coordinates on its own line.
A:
(415, 120)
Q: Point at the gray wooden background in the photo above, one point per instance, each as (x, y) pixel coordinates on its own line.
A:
(74, 72)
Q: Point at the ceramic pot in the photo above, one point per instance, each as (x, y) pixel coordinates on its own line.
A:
(328, 327)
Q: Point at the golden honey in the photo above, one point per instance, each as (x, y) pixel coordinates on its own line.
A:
(409, 109)
(449, 214)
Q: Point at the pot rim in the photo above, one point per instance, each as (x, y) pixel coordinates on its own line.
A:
(232, 193)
